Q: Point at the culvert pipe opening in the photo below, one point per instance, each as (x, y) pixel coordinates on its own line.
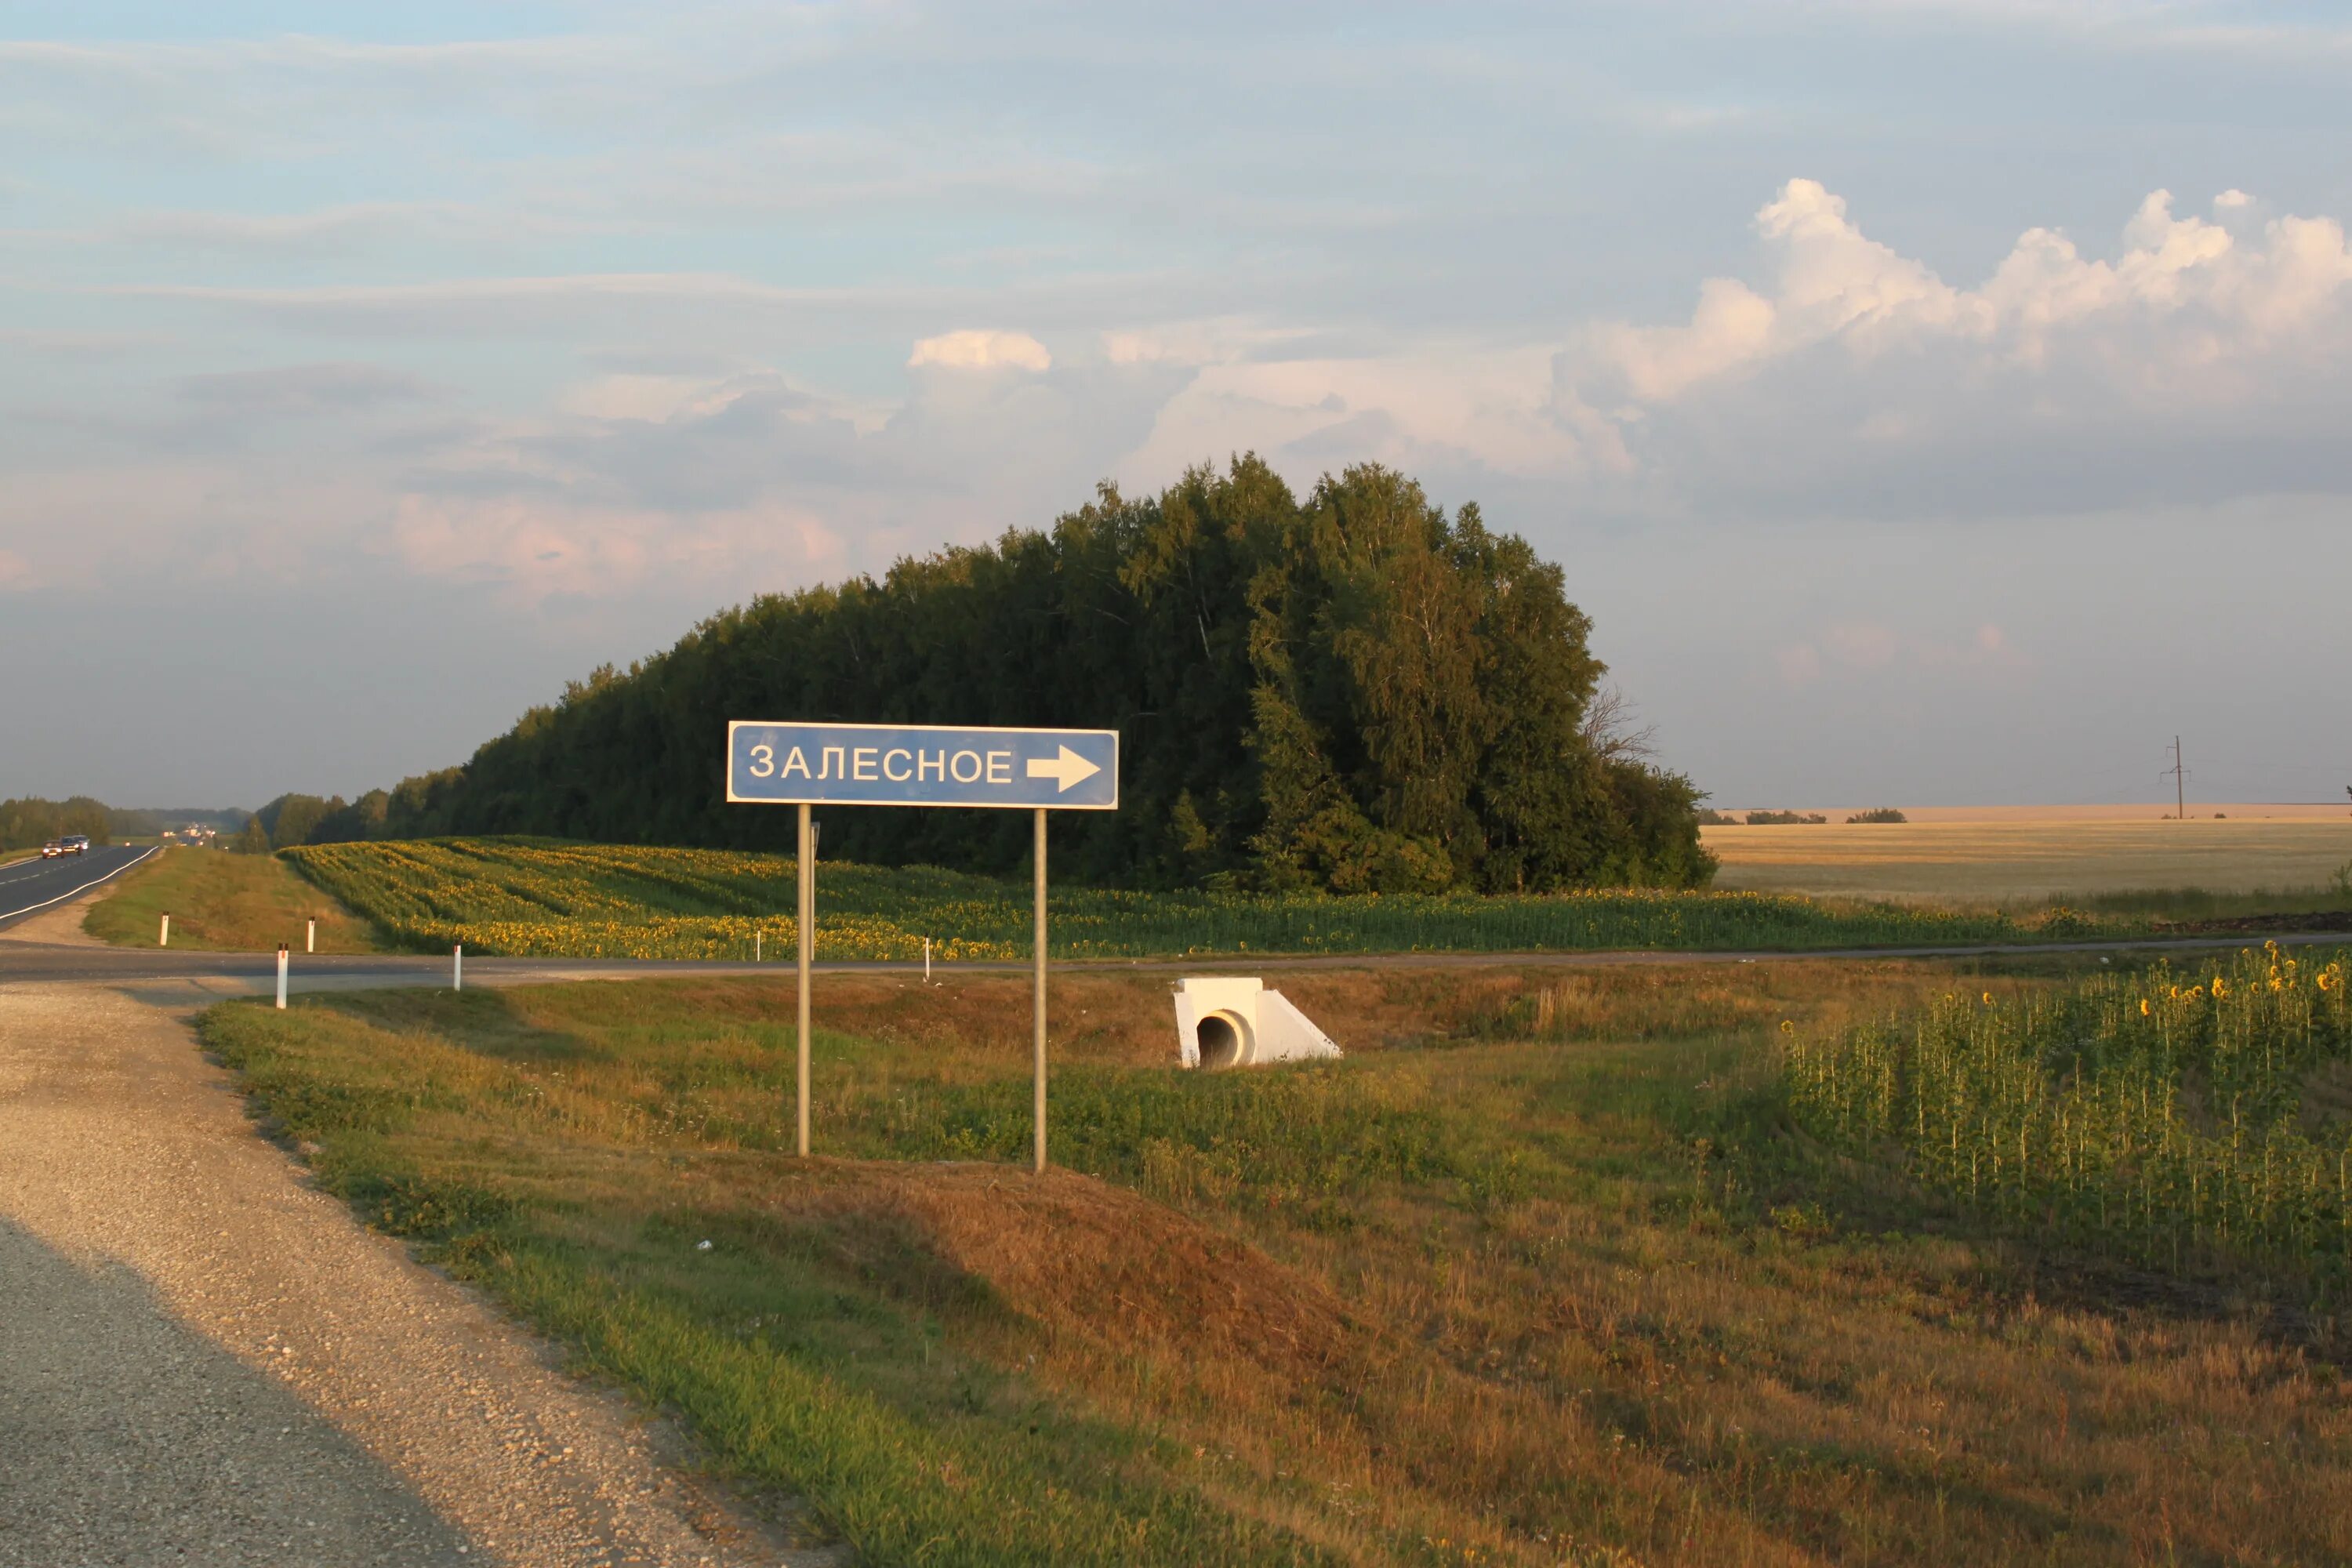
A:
(1220, 1038)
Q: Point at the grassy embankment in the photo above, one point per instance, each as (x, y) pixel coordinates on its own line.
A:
(561, 900)
(223, 902)
(1543, 1273)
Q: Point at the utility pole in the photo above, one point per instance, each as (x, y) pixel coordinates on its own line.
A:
(2179, 783)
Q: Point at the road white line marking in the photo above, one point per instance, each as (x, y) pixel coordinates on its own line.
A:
(86, 886)
(31, 875)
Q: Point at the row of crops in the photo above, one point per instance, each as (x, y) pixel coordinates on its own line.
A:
(2174, 1115)
(555, 898)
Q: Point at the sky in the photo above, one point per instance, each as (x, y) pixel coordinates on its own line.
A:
(1930, 403)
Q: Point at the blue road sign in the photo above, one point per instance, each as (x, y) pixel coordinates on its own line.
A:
(926, 764)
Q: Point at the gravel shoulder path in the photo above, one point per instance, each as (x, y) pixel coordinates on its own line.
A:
(203, 1361)
(58, 927)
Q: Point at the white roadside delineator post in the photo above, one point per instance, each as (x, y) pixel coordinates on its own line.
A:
(164, 936)
(927, 961)
(756, 945)
(310, 935)
(281, 976)
(458, 967)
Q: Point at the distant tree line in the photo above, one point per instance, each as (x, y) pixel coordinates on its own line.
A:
(295, 819)
(1710, 817)
(1353, 691)
(31, 821)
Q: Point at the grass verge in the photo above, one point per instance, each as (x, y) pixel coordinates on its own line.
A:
(223, 902)
(1543, 1273)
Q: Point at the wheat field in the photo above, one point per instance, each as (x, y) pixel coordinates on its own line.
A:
(2018, 860)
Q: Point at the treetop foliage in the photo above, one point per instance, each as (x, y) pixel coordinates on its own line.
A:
(1353, 692)
(31, 821)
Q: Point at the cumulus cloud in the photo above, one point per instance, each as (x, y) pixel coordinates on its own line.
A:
(2198, 357)
(2183, 289)
(1452, 411)
(2206, 352)
(972, 350)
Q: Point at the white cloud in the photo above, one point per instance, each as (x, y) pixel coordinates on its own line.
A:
(1491, 409)
(1217, 341)
(1850, 376)
(1861, 648)
(974, 349)
(2205, 352)
(1834, 282)
(531, 550)
(2200, 356)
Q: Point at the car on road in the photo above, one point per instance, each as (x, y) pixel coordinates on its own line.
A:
(53, 848)
(72, 844)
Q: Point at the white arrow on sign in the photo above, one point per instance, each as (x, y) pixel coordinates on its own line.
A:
(1067, 769)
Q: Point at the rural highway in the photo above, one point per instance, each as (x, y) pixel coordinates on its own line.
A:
(23, 963)
(30, 886)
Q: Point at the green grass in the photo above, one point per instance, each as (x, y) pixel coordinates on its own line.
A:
(1544, 1272)
(519, 896)
(223, 902)
(2193, 906)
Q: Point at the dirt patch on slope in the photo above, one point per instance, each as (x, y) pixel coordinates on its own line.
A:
(1078, 1258)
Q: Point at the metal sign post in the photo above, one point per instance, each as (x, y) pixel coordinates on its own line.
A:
(1038, 1005)
(804, 919)
(919, 765)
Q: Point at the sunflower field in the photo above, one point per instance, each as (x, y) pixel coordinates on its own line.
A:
(535, 896)
(2179, 1114)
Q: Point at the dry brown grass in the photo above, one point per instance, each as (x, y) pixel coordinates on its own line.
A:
(1627, 1316)
(1128, 1020)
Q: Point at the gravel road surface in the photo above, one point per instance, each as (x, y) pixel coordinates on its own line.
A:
(203, 1361)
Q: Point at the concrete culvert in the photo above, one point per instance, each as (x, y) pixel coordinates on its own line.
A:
(1229, 1021)
(1219, 1036)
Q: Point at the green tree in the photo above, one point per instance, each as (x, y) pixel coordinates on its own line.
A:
(32, 821)
(1357, 691)
(295, 819)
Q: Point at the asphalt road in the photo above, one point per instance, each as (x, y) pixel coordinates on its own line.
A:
(31, 963)
(28, 887)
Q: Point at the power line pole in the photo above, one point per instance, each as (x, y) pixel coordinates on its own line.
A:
(2179, 783)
